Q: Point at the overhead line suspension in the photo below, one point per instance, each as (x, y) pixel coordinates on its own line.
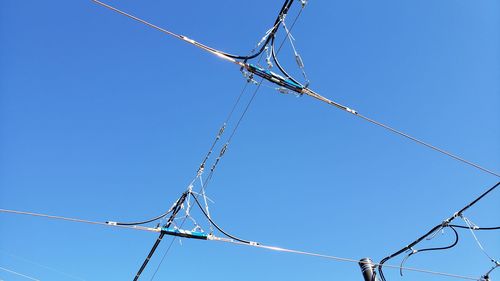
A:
(291, 84)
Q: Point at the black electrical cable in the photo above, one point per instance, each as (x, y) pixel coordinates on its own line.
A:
(475, 228)
(142, 222)
(216, 226)
(175, 209)
(283, 12)
(455, 242)
(435, 228)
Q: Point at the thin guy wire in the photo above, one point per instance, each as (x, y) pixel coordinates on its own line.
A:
(245, 111)
(18, 274)
(297, 55)
(209, 177)
(273, 248)
(257, 89)
(206, 158)
(221, 130)
(469, 224)
(237, 102)
(212, 171)
(290, 30)
(165, 254)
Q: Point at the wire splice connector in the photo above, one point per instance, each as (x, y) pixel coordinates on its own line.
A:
(185, 233)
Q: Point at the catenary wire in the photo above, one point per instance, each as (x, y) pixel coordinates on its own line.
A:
(231, 241)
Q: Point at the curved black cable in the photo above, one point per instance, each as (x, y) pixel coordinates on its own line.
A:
(430, 249)
(216, 226)
(275, 59)
(143, 222)
(282, 13)
(444, 223)
(477, 228)
(486, 277)
(384, 260)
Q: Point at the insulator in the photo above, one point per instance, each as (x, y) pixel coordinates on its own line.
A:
(283, 90)
(299, 61)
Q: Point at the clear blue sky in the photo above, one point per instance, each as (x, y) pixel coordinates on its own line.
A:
(102, 118)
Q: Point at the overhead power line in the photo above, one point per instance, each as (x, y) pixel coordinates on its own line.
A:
(232, 241)
(291, 84)
(341, 259)
(286, 83)
(135, 227)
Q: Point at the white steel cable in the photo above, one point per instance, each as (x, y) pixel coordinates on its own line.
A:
(471, 227)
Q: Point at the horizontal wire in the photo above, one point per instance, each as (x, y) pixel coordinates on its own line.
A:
(317, 96)
(435, 148)
(18, 274)
(341, 259)
(150, 229)
(178, 36)
(252, 244)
